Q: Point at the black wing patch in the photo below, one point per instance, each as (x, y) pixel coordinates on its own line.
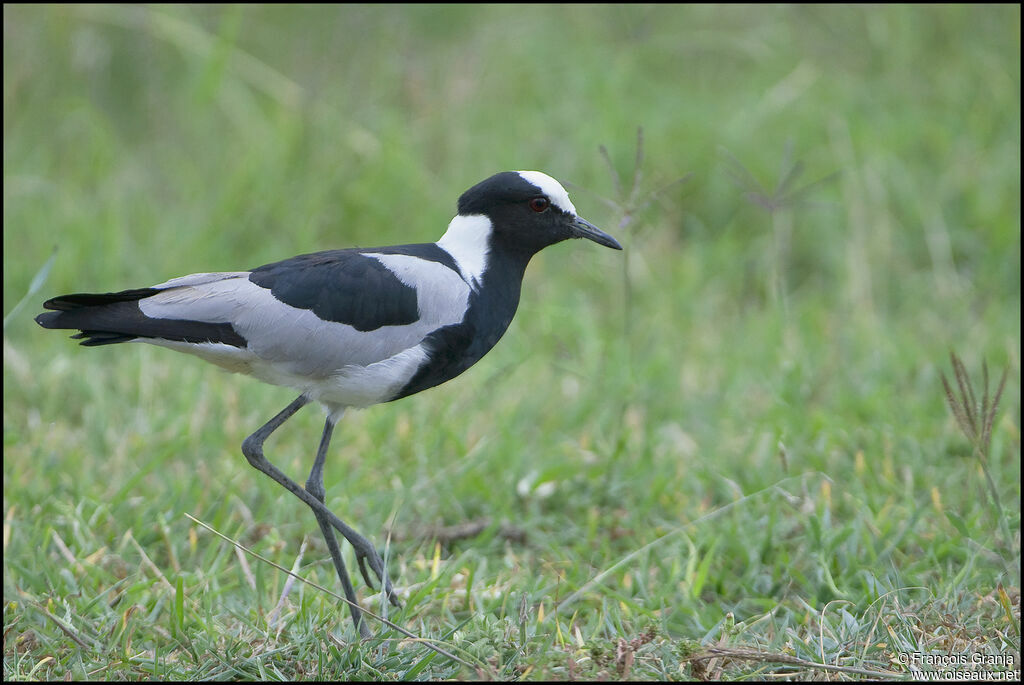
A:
(342, 286)
(108, 318)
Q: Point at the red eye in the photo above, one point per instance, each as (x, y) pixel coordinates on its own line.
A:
(539, 204)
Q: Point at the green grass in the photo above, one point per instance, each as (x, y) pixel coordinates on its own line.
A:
(728, 447)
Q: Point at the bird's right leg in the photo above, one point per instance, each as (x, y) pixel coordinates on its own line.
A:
(252, 448)
(315, 486)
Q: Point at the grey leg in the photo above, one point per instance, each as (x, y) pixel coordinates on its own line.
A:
(252, 448)
(315, 487)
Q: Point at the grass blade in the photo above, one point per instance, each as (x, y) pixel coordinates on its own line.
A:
(37, 282)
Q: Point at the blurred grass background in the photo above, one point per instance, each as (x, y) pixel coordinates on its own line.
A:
(732, 435)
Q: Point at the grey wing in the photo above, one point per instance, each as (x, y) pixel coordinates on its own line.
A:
(314, 315)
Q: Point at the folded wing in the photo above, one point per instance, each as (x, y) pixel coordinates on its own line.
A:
(310, 316)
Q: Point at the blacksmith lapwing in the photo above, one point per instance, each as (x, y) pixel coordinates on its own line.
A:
(350, 328)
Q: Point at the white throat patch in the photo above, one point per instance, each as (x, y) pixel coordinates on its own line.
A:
(550, 187)
(468, 240)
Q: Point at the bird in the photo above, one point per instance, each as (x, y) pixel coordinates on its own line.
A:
(349, 328)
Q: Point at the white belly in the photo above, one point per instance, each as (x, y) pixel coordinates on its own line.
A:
(348, 386)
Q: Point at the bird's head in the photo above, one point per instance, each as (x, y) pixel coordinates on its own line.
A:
(529, 210)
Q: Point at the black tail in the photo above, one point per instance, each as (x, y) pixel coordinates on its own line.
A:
(108, 318)
(66, 303)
